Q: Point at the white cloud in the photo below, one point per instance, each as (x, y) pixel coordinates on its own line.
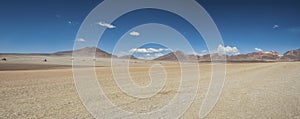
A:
(158, 55)
(156, 50)
(193, 53)
(139, 50)
(134, 33)
(81, 40)
(203, 51)
(148, 50)
(151, 56)
(107, 25)
(276, 26)
(149, 53)
(141, 57)
(258, 49)
(228, 50)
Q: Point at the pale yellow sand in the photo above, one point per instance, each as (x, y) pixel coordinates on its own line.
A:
(251, 90)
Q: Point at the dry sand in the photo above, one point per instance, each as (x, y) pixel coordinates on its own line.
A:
(251, 90)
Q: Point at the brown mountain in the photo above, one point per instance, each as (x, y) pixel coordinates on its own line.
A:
(256, 56)
(88, 51)
(178, 55)
(250, 57)
(128, 57)
(293, 55)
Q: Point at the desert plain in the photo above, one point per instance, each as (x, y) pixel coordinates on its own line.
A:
(31, 88)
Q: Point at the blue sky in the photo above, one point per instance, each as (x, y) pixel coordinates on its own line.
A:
(35, 26)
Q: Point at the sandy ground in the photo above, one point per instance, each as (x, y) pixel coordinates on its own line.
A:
(251, 90)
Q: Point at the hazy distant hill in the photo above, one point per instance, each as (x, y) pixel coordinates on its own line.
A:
(88, 51)
(256, 56)
(178, 55)
(128, 57)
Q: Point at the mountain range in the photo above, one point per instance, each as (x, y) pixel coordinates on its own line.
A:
(271, 56)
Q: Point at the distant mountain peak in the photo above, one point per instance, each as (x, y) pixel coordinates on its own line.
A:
(128, 57)
(177, 55)
(292, 55)
(87, 51)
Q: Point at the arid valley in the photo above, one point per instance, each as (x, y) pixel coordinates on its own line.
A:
(31, 88)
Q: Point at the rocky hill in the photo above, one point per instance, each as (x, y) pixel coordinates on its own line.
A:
(178, 55)
(256, 56)
(293, 55)
(128, 57)
(250, 57)
(88, 51)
